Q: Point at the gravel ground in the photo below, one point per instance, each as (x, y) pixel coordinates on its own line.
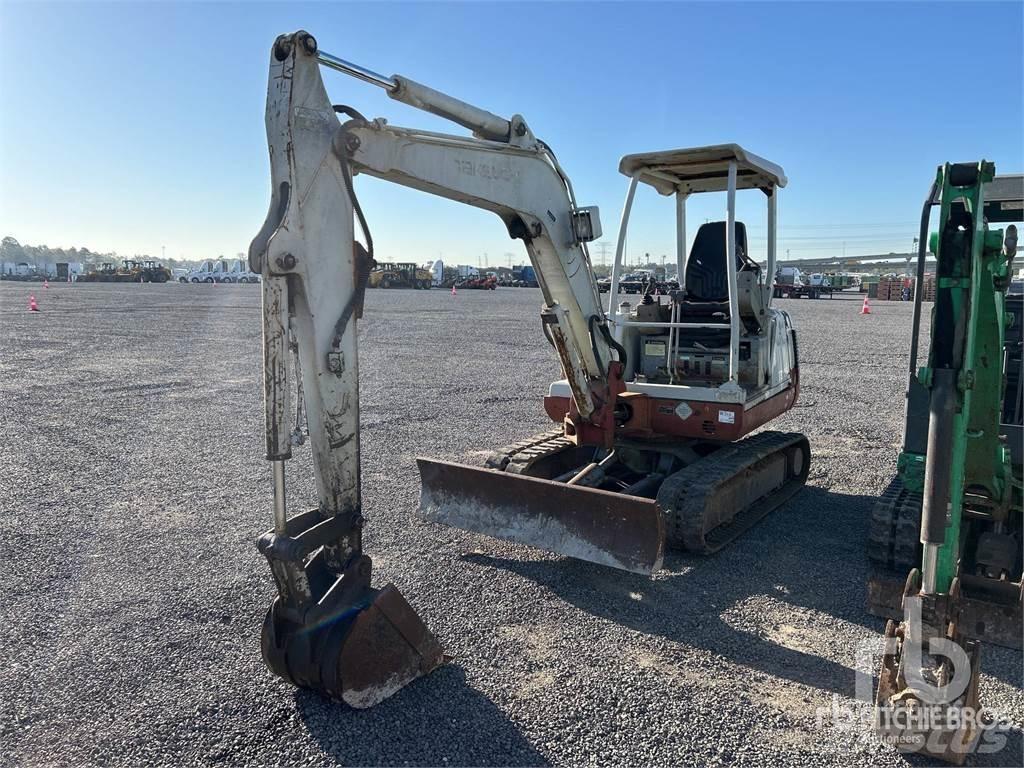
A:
(132, 489)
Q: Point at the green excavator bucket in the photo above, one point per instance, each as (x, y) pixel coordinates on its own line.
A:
(602, 527)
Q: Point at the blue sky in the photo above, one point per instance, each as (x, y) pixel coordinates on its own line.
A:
(131, 127)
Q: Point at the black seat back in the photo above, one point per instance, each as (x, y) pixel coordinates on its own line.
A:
(706, 278)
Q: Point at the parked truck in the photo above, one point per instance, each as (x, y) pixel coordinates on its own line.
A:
(791, 283)
(221, 271)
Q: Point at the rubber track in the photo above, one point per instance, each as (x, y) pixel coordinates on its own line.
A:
(894, 535)
(519, 457)
(684, 494)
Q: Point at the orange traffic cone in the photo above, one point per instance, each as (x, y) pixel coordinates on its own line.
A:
(866, 308)
(32, 306)
(453, 290)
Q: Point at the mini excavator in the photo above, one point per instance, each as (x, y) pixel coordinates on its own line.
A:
(655, 413)
(946, 536)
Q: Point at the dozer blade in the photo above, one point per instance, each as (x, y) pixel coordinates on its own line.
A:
(360, 653)
(613, 529)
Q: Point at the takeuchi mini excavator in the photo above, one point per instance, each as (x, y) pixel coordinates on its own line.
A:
(653, 413)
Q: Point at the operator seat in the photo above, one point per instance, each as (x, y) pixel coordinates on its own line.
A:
(706, 282)
(706, 279)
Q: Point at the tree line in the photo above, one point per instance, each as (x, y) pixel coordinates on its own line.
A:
(11, 251)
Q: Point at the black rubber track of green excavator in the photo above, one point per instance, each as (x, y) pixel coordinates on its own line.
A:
(686, 495)
(894, 535)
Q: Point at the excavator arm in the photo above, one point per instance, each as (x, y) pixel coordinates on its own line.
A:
(329, 629)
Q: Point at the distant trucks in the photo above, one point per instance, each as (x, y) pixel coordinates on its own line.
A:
(481, 283)
(791, 283)
(436, 270)
(221, 271)
(636, 282)
(524, 277)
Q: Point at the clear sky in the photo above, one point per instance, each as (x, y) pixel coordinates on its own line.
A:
(134, 126)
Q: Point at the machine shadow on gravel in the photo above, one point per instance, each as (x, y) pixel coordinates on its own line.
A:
(810, 554)
(437, 721)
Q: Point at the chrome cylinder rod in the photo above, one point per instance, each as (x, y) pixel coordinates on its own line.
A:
(483, 123)
(374, 78)
(280, 505)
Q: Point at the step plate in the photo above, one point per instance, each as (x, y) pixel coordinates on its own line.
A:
(613, 529)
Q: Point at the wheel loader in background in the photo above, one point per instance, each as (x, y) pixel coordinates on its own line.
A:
(654, 410)
(387, 275)
(952, 518)
(130, 271)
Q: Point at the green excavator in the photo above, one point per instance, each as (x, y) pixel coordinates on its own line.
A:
(952, 517)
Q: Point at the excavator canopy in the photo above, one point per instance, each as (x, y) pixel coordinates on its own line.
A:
(702, 169)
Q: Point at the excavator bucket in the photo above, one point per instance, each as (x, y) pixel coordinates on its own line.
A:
(360, 654)
(946, 731)
(613, 529)
(927, 699)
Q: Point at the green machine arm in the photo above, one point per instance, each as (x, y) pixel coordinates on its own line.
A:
(966, 461)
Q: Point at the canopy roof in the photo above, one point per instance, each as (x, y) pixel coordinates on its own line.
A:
(702, 169)
(1004, 199)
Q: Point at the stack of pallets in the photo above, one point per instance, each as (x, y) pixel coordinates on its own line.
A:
(928, 291)
(891, 288)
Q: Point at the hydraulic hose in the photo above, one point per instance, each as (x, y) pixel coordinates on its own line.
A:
(364, 259)
(609, 339)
